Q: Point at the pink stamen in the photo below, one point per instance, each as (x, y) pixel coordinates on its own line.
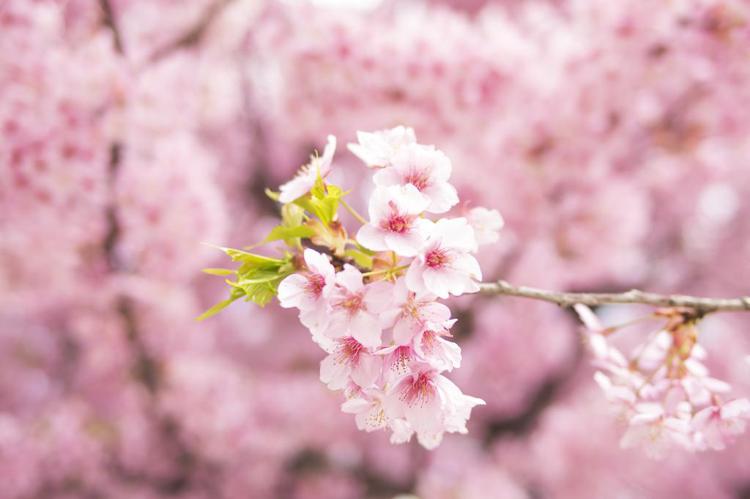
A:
(397, 223)
(400, 359)
(349, 351)
(418, 179)
(353, 303)
(315, 284)
(436, 258)
(420, 391)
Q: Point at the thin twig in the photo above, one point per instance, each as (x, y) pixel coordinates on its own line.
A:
(111, 22)
(354, 212)
(564, 299)
(195, 33)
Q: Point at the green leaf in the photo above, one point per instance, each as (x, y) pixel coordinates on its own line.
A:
(260, 290)
(217, 308)
(252, 259)
(292, 215)
(323, 202)
(219, 272)
(258, 278)
(288, 234)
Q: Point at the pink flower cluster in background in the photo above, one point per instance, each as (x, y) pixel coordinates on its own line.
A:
(664, 390)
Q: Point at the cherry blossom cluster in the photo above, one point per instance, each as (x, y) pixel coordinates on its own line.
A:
(371, 303)
(664, 390)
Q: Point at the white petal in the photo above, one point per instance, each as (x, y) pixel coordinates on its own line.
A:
(442, 196)
(366, 372)
(366, 329)
(378, 296)
(372, 238)
(407, 244)
(334, 374)
(291, 291)
(350, 278)
(318, 263)
(438, 282)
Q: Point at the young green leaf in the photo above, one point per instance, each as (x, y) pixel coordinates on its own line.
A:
(219, 272)
(289, 234)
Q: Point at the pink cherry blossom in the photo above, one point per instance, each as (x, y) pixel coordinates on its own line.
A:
(367, 407)
(432, 348)
(721, 423)
(486, 224)
(427, 169)
(656, 431)
(664, 392)
(304, 180)
(377, 149)
(350, 359)
(309, 290)
(356, 307)
(397, 361)
(415, 310)
(431, 404)
(444, 264)
(395, 224)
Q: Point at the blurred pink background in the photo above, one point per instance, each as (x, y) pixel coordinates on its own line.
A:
(612, 136)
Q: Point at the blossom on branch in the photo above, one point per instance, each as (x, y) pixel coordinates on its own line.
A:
(304, 180)
(372, 304)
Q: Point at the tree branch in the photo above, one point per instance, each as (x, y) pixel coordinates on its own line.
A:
(111, 22)
(699, 304)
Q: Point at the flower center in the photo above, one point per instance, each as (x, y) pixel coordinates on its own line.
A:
(400, 359)
(428, 341)
(398, 224)
(436, 258)
(412, 309)
(419, 391)
(315, 284)
(349, 351)
(418, 179)
(352, 303)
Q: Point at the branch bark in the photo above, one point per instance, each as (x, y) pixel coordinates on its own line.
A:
(564, 299)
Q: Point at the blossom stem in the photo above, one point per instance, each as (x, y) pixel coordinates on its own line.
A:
(391, 270)
(701, 305)
(354, 213)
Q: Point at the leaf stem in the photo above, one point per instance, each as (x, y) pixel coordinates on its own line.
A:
(391, 270)
(354, 213)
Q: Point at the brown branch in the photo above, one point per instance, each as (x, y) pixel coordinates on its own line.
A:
(699, 304)
(111, 22)
(194, 34)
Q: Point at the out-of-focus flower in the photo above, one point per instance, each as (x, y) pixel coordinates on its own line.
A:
(663, 390)
(721, 423)
(486, 224)
(377, 149)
